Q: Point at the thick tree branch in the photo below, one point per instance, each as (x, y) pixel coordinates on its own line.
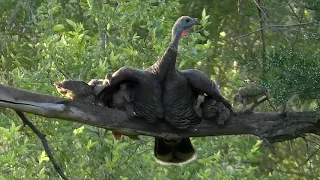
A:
(273, 127)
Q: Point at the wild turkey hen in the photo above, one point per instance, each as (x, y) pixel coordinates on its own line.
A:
(148, 93)
(163, 92)
(181, 90)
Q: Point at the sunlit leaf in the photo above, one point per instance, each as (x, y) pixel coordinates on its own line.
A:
(71, 23)
(78, 130)
(58, 27)
(43, 157)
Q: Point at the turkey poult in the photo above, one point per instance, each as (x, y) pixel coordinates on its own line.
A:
(119, 98)
(251, 92)
(76, 90)
(81, 91)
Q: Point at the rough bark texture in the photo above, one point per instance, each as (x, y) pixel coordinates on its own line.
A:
(273, 127)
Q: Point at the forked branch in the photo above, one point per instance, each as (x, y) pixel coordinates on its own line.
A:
(44, 142)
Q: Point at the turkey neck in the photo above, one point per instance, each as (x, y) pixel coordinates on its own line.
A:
(168, 60)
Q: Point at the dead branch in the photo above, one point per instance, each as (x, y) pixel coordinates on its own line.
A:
(256, 104)
(44, 142)
(273, 27)
(266, 14)
(262, 22)
(273, 127)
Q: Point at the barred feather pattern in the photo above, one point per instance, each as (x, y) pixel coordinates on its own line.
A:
(147, 96)
(179, 100)
(147, 101)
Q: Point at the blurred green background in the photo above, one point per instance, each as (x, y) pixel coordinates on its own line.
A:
(42, 42)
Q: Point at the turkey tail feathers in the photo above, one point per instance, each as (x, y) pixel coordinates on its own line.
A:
(174, 152)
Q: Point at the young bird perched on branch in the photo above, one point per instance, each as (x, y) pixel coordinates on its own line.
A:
(76, 90)
(87, 93)
(249, 93)
(210, 109)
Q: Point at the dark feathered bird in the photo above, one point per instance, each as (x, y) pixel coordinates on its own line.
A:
(163, 92)
(81, 91)
(76, 90)
(148, 91)
(181, 90)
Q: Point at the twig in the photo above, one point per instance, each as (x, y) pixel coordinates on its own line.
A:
(273, 23)
(307, 143)
(314, 142)
(295, 158)
(261, 21)
(309, 157)
(257, 103)
(117, 7)
(314, 136)
(315, 53)
(272, 27)
(130, 156)
(293, 11)
(271, 105)
(44, 142)
(266, 14)
(269, 145)
(298, 18)
(257, 2)
(275, 26)
(68, 76)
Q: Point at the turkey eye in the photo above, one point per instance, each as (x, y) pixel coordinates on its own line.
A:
(187, 20)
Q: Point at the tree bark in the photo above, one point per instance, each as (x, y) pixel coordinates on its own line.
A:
(273, 127)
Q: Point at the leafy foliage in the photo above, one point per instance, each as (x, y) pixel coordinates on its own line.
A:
(42, 42)
(293, 73)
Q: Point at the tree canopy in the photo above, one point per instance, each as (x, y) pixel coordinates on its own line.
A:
(273, 43)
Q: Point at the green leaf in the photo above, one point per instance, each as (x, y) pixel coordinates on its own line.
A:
(203, 14)
(114, 57)
(217, 155)
(121, 146)
(91, 144)
(43, 157)
(123, 178)
(78, 130)
(71, 23)
(58, 27)
(206, 33)
(152, 34)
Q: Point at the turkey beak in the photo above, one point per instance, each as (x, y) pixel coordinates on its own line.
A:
(196, 21)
